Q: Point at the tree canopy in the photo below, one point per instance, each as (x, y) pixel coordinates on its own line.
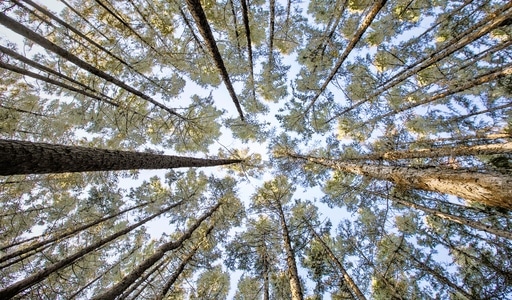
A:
(356, 149)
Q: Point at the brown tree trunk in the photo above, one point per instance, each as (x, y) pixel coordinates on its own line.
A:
(174, 276)
(196, 10)
(43, 42)
(245, 15)
(35, 246)
(462, 150)
(346, 276)
(119, 287)
(492, 189)
(456, 219)
(17, 287)
(20, 157)
(296, 289)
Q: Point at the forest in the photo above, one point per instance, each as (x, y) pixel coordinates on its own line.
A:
(254, 149)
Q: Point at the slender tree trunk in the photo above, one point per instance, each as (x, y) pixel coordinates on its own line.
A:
(20, 157)
(367, 21)
(102, 98)
(144, 278)
(43, 42)
(492, 189)
(462, 150)
(64, 235)
(195, 8)
(174, 276)
(296, 289)
(14, 289)
(81, 289)
(119, 287)
(271, 29)
(235, 23)
(492, 21)
(437, 275)
(83, 36)
(266, 282)
(456, 219)
(346, 276)
(245, 15)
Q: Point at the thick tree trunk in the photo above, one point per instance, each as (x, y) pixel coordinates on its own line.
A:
(296, 289)
(129, 279)
(14, 289)
(492, 189)
(196, 10)
(20, 157)
(266, 282)
(367, 21)
(43, 42)
(37, 245)
(346, 276)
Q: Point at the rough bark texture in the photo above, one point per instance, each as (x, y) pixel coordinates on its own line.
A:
(295, 287)
(196, 10)
(129, 279)
(20, 157)
(17, 287)
(492, 189)
(346, 276)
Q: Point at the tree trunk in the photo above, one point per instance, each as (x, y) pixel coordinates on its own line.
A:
(174, 276)
(245, 15)
(367, 21)
(43, 42)
(14, 289)
(40, 244)
(456, 219)
(346, 276)
(462, 150)
(492, 21)
(492, 189)
(196, 10)
(20, 157)
(127, 280)
(293, 274)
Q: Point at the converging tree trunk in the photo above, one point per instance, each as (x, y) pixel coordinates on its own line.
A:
(346, 276)
(119, 287)
(490, 188)
(17, 287)
(21, 157)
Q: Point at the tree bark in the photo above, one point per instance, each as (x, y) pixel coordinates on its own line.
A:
(21, 157)
(245, 15)
(196, 10)
(17, 287)
(43, 42)
(462, 150)
(491, 188)
(119, 287)
(346, 276)
(296, 289)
